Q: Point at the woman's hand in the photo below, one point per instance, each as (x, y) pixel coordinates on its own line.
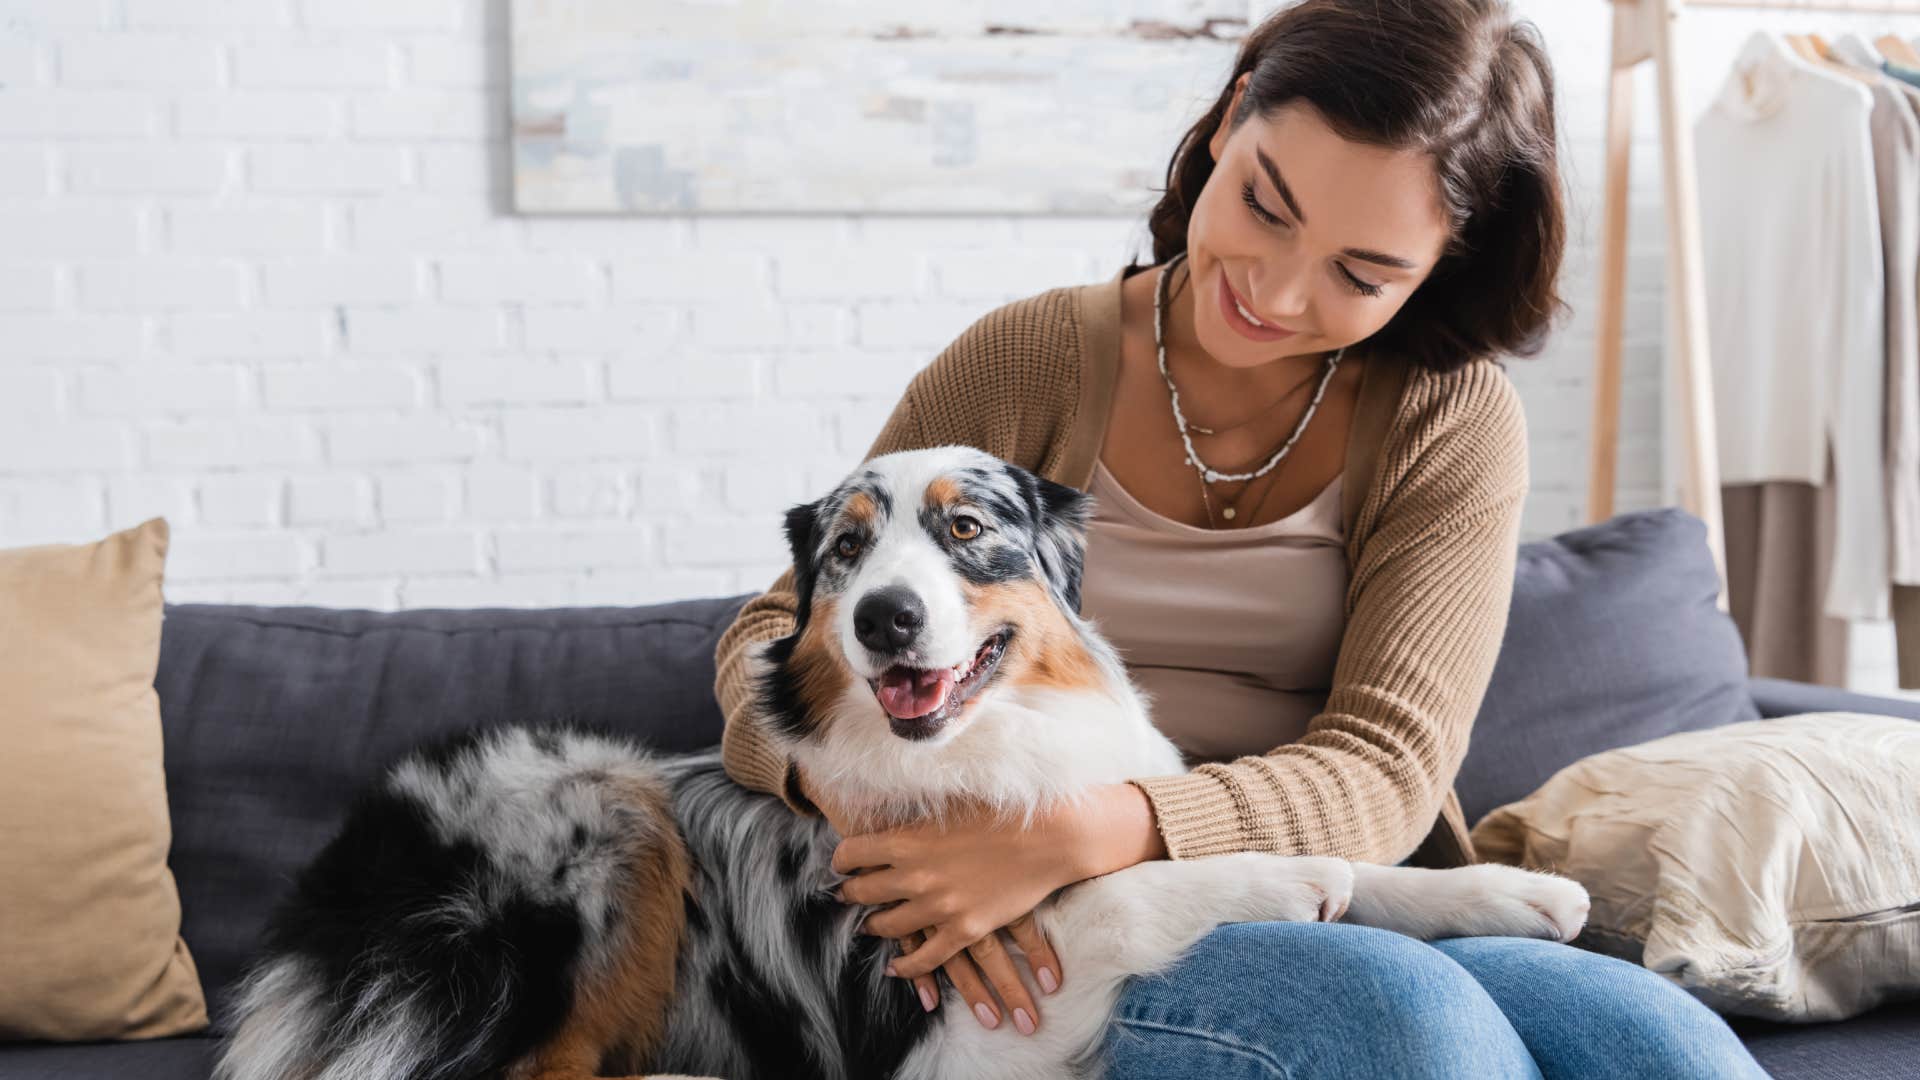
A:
(957, 888)
(961, 882)
(972, 874)
(960, 970)
(1000, 987)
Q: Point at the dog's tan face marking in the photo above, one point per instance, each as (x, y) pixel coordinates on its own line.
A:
(819, 668)
(1045, 651)
(941, 493)
(861, 511)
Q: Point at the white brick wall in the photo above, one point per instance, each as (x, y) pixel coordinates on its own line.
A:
(258, 274)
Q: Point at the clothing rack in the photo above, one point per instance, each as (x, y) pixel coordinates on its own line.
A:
(1644, 30)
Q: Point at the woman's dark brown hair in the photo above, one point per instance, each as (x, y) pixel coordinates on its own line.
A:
(1459, 80)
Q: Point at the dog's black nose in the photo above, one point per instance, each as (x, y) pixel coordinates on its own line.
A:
(887, 620)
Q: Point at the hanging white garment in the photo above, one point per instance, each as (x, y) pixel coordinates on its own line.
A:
(1789, 220)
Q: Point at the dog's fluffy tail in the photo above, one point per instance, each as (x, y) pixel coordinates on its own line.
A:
(470, 898)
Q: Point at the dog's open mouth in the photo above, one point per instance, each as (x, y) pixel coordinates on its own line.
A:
(919, 701)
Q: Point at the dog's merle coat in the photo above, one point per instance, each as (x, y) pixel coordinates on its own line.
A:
(539, 903)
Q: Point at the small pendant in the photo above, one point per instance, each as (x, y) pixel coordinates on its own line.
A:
(1213, 476)
(1227, 513)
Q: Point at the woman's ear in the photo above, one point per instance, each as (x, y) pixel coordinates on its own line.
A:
(1217, 145)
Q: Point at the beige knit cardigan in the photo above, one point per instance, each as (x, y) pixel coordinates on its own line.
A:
(1435, 475)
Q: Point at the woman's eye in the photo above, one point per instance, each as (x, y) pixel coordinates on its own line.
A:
(848, 547)
(1364, 288)
(1253, 204)
(965, 528)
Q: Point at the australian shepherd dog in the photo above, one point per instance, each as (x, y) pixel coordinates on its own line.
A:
(546, 903)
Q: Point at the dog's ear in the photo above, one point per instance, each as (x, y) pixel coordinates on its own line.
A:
(803, 537)
(1060, 534)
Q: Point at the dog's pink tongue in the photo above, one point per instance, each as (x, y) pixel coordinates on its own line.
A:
(906, 692)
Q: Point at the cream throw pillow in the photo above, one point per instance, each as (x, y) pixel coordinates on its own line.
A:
(1771, 867)
(89, 917)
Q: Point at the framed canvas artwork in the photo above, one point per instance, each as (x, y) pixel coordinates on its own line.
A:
(858, 106)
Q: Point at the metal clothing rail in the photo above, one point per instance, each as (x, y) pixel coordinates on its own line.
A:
(1892, 7)
(1644, 30)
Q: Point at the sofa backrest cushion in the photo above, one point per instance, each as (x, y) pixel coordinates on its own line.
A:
(274, 718)
(1614, 637)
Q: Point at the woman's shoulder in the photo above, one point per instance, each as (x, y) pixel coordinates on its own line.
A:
(1468, 420)
(1030, 351)
(1031, 336)
(1476, 397)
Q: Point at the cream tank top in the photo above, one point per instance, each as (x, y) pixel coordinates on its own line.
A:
(1231, 633)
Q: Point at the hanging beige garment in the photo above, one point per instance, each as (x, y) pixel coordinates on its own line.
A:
(1779, 537)
(1895, 126)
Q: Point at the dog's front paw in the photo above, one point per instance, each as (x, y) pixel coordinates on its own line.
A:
(1528, 903)
(1309, 888)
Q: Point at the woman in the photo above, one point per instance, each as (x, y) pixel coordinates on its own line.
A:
(1309, 470)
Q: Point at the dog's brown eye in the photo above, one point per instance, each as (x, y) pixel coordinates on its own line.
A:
(965, 528)
(848, 547)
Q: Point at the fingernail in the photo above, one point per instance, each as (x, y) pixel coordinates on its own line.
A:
(926, 998)
(1022, 1021)
(986, 1015)
(890, 970)
(1047, 981)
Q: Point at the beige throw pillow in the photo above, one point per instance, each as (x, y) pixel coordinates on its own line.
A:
(1771, 868)
(89, 916)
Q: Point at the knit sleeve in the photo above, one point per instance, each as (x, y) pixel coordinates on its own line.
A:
(746, 752)
(1427, 608)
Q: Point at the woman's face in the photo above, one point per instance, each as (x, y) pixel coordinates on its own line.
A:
(1320, 239)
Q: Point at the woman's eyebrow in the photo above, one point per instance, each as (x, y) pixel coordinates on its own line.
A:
(1273, 174)
(1382, 258)
(1286, 196)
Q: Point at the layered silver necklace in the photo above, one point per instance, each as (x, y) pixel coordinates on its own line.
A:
(1208, 474)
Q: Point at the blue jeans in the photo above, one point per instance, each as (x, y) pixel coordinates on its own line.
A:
(1300, 1000)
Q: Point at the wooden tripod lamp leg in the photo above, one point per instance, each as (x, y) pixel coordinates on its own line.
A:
(1613, 277)
(1687, 277)
(1642, 30)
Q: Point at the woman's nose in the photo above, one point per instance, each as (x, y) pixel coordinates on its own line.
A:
(1280, 291)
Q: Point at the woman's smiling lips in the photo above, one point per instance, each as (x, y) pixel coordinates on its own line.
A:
(1230, 310)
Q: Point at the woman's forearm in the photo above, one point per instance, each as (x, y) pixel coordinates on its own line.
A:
(1117, 830)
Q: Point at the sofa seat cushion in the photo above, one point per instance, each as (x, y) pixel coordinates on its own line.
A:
(189, 1058)
(1881, 1045)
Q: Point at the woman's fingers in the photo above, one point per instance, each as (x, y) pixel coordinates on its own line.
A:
(997, 966)
(1040, 955)
(943, 944)
(875, 887)
(924, 986)
(903, 919)
(966, 979)
(867, 849)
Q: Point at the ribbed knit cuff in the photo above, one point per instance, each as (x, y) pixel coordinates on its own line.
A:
(1196, 815)
(756, 762)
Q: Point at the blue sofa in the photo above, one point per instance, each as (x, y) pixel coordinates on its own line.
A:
(275, 716)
